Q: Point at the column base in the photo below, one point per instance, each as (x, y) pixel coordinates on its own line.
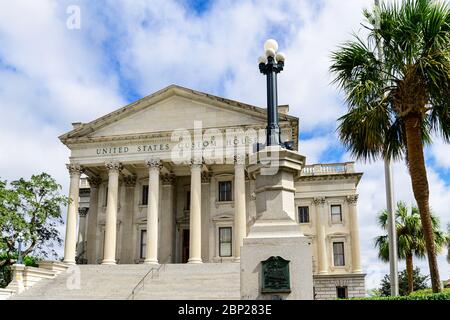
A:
(109, 262)
(153, 262)
(323, 272)
(71, 262)
(357, 271)
(195, 260)
(237, 259)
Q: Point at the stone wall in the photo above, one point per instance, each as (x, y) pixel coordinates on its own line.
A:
(325, 285)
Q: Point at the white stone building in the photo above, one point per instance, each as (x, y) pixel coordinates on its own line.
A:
(134, 204)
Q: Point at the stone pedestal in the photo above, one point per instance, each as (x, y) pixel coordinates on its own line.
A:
(275, 232)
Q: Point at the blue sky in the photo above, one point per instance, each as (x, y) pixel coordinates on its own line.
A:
(51, 76)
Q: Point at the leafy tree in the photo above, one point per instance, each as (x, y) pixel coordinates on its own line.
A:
(410, 237)
(33, 208)
(397, 87)
(420, 283)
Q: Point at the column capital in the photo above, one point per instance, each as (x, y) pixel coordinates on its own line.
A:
(239, 159)
(319, 201)
(74, 169)
(130, 181)
(168, 179)
(82, 212)
(206, 177)
(154, 163)
(196, 164)
(352, 199)
(94, 181)
(114, 166)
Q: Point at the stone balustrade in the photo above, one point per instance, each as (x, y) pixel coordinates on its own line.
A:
(328, 169)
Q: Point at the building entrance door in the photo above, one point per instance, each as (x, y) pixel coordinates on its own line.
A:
(185, 246)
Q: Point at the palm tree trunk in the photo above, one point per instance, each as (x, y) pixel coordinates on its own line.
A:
(416, 163)
(409, 273)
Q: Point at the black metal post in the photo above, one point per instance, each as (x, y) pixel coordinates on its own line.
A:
(271, 69)
(19, 258)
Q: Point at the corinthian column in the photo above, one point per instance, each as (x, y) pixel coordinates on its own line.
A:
(91, 237)
(195, 235)
(354, 233)
(240, 216)
(109, 254)
(321, 236)
(152, 212)
(72, 212)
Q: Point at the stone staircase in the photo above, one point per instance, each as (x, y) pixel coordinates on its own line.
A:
(172, 281)
(208, 281)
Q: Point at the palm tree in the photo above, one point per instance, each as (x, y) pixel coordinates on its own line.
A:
(410, 237)
(399, 98)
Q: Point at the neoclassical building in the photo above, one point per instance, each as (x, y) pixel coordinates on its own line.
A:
(141, 194)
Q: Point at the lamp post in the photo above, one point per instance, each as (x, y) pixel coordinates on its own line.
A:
(19, 241)
(390, 206)
(270, 64)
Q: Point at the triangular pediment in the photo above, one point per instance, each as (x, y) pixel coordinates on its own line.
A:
(176, 113)
(169, 109)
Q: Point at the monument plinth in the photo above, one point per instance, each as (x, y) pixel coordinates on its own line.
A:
(275, 233)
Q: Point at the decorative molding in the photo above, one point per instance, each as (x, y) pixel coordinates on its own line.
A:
(168, 179)
(74, 169)
(352, 199)
(114, 166)
(83, 211)
(130, 181)
(319, 201)
(94, 182)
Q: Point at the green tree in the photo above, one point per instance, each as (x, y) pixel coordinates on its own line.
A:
(33, 208)
(410, 238)
(396, 83)
(420, 283)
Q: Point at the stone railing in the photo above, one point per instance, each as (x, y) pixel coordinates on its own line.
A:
(328, 169)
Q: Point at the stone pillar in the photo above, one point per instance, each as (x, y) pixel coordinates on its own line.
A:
(127, 209)
(81, 245)
(17, 282)
(322, 258)
(275, 234)
(92, 228)
(167, 247)
(240, 215)
(206, 215)
(354, 233)
(195, 234)
(72, 212)
(153, 212)
(109, 253)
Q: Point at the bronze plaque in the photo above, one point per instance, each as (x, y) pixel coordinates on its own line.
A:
(275, 275)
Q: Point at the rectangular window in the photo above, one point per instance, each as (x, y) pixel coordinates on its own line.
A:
(225, 239)
(144, 195)
(143, 247)
(303, 214)
(336, 213)
(341, 292)
(338, 254)
(225, 191)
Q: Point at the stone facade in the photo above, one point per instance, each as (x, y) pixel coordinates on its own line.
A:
(143, 207)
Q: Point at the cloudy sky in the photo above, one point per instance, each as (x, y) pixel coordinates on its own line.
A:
(51, 76)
